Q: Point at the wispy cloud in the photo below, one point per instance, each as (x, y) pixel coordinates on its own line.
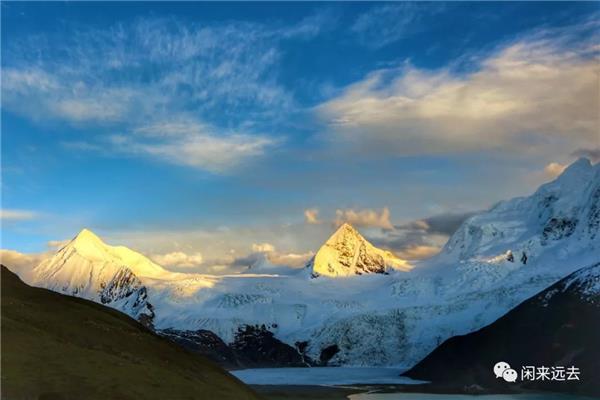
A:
(311, 216)
(554, 169)
(420, 238)
(17, 215)
(192, 143)
(592, 153)
(389, 23)
(178, 259)
(142, 77)
(364, 218)
(21, 263)
(537, 95)
(263, 247)
(266, 255)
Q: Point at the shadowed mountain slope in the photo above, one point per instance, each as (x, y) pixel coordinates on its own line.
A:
(556, 328)
(60, 347)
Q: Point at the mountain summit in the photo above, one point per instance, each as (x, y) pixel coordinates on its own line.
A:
(565, 208)
(347, 253)
(87, 267)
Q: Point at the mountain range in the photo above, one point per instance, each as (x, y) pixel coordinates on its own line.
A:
(355, 304)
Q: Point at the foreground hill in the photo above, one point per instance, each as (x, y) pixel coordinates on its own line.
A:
(61, 347)
(557, 328)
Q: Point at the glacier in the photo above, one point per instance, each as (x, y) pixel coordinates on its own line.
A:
(377, 310)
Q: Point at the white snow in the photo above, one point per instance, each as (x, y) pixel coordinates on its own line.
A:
(374, 318)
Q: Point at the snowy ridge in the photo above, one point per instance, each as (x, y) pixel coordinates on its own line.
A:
(87, 267)
(493, 262)
(568, 206)
(585, 282)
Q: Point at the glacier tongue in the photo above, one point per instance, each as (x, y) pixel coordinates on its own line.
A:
(495, 260)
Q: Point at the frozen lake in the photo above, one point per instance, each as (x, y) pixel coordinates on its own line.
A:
(322, 376)
(330, 376)
(426, 396)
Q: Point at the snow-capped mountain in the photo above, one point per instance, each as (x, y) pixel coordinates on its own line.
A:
(528, 226)
(87, 267)
(493, 262)
(347, 253)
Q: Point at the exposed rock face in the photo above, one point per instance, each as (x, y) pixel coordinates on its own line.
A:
(257, 346)
(347, 253)
(556, 328)
(206, 343)
(253, 346)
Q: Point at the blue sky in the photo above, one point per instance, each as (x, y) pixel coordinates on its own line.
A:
(207, 131)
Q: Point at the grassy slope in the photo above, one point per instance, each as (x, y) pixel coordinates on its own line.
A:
(61, 347)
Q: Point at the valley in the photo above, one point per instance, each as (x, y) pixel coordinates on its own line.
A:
(354, 305)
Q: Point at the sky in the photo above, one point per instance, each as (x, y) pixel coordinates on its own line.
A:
(211, 135)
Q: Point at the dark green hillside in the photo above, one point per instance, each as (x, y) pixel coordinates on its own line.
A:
(60, 347)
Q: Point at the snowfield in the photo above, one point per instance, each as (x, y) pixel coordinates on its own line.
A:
(372, 306)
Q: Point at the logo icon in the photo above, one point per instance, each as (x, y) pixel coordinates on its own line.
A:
(503, 370)
(500, 367)
(509, 375)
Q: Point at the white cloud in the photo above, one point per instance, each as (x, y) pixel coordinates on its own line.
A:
(178, 259)
(420, 238)
(554, 169)
(230, 249)
(418, 252)
(537, 95)
(293, 260)
(57, 244)
(74, 77)
(192, 143)
(364, 218)
(263, 247)
(17, 215)
(21, 263)
(311, 216)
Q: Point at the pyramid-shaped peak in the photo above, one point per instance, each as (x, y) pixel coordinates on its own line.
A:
(348, 253)
(345, 230)
(89, 247)
(86, 235)
(89, 244)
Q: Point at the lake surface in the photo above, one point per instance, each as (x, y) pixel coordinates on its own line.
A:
(322, 376)
(332, 376)
(426, 396)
